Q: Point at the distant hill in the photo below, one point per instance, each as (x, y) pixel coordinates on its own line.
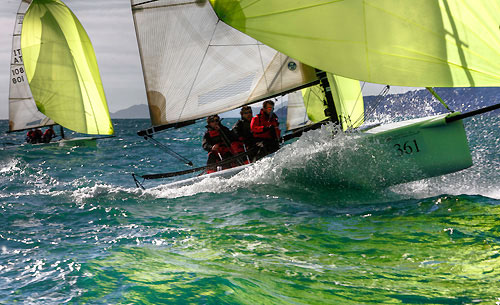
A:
(133, 112)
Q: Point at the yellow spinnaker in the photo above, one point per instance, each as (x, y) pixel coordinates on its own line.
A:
(421, 43)
(62, 69)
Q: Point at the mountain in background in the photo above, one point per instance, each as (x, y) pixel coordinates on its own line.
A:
(133, 112)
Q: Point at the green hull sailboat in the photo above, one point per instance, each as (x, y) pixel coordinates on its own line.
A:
(331, 45)
(54, 73)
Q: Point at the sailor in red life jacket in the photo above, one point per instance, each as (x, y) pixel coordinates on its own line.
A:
(48, 135)
(30, 136)
(217, 141)
(244, 141)
(265, 129)
(37, 137)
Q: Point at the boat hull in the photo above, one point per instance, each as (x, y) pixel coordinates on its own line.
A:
(227, 173)
(410, 151)
(379, 157)
(78, 141)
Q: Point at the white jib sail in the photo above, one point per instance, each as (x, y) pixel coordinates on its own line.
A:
(23, 113)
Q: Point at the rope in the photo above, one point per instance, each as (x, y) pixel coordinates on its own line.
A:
(169, 150)
(379, 100)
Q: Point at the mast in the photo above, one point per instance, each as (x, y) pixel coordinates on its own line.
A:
(330, 110)
(61, 129)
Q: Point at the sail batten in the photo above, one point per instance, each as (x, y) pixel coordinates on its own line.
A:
(407, 43)
(194, 65)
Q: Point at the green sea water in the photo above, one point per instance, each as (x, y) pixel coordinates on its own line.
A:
(74, 229)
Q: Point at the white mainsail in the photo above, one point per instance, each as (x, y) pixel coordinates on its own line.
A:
(194, 65)
(23, 113)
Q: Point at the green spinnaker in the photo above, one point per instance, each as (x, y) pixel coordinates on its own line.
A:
(424, 43)
(347, 98)
(62, 69)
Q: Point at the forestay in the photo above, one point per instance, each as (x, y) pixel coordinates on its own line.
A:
(61, 68)
(194, 65)
(23, 113)
(422, 43)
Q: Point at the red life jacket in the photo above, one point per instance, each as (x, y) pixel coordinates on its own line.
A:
(213, 133)
(260, 121)
(223, 149)
(49, 133)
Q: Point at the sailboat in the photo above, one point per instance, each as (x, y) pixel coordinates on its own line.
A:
(54, 74)
(202, 62)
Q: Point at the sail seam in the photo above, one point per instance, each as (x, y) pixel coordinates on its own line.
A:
(158, 6)
(199, 69)
(289, 10)
(262, 66)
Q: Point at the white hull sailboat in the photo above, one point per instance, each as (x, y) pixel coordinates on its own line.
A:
(431, 44)
(54, 75)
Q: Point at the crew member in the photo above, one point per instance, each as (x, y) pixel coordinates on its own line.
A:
(245, 141)
(217, 141)
(48, 135)
(30, 136)
(265, 129)
(37, 136)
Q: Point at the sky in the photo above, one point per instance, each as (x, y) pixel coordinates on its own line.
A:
(110, 27)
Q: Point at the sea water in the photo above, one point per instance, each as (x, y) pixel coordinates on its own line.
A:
(75, 229)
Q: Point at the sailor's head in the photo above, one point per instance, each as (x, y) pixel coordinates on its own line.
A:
(213, 121)
(268, 106)
(246, 113)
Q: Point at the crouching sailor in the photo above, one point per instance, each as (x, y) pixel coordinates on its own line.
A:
(265, 129)
(217, 141)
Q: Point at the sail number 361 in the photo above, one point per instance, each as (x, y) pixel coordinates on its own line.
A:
(409, 147)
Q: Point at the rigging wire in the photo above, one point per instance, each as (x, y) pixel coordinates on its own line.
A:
(368, 114)
(362, 117)
(168, 150)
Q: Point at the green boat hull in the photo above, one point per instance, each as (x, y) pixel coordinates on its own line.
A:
(412, 150)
